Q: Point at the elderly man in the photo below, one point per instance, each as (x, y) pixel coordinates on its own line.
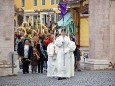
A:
(63, 56)
(52, 62)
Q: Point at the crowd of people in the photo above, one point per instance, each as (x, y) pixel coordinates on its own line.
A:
(57, 54)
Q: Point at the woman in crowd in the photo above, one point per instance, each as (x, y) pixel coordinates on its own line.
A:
(40, 48)
(34, 60)
(77, 58)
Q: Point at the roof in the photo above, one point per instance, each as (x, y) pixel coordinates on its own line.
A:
(84, 10)
(69, 2)
(76, 3)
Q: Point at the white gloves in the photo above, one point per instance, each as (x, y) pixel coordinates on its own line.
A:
(63, 41)
(65, 52)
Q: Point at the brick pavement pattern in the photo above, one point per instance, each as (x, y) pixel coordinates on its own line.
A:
(84, 78)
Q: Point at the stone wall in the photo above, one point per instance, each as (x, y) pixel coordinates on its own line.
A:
(6, 35)
(101, 33)
(99, 29)
(112, 33)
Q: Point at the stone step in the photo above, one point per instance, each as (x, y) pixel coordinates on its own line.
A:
(85, 50)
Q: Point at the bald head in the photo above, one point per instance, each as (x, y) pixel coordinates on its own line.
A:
(52, 38)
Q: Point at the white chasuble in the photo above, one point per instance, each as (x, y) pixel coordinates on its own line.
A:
(72, 59)
(63, 57)
(52, 62)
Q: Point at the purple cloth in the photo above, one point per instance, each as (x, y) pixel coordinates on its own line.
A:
(62, 7)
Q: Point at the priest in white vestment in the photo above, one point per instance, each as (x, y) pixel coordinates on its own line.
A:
(72, 60)
(52, 62)
(63, 57)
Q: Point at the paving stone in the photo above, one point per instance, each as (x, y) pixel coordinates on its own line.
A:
(84, 78)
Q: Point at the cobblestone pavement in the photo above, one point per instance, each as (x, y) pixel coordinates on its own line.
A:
(84, 78)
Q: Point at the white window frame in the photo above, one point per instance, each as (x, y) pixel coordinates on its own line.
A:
(34, 18)
(57, 19)
(51, 2)
(51, 16)
(35, 4)
(23, 4)
(57, 1)
(42, 2)
(26, 18)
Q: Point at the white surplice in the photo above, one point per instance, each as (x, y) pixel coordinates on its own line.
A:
(52, 62)
(72, 59)
(63, 57)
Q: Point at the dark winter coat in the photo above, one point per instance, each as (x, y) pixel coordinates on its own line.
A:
(19, 47)
(77, 54)
(34, 60)
(30, 52)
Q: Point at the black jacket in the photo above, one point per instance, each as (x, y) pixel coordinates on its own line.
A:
(30, 52)
(77, 54)
(19, 47)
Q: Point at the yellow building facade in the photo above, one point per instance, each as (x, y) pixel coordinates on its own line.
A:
(84, 25)
(49, 7)
(84, 31)
(30, 4)
(45, 7)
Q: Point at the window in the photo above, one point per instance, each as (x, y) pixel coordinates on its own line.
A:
(35, 2)
(34, 19)
(44, 18)
(52, 17)
(43, 2)
(27, 18)
(57, 1)
(58, 17)
(23, 3)
(52, 2)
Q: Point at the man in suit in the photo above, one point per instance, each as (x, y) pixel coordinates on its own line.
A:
(26, 53)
